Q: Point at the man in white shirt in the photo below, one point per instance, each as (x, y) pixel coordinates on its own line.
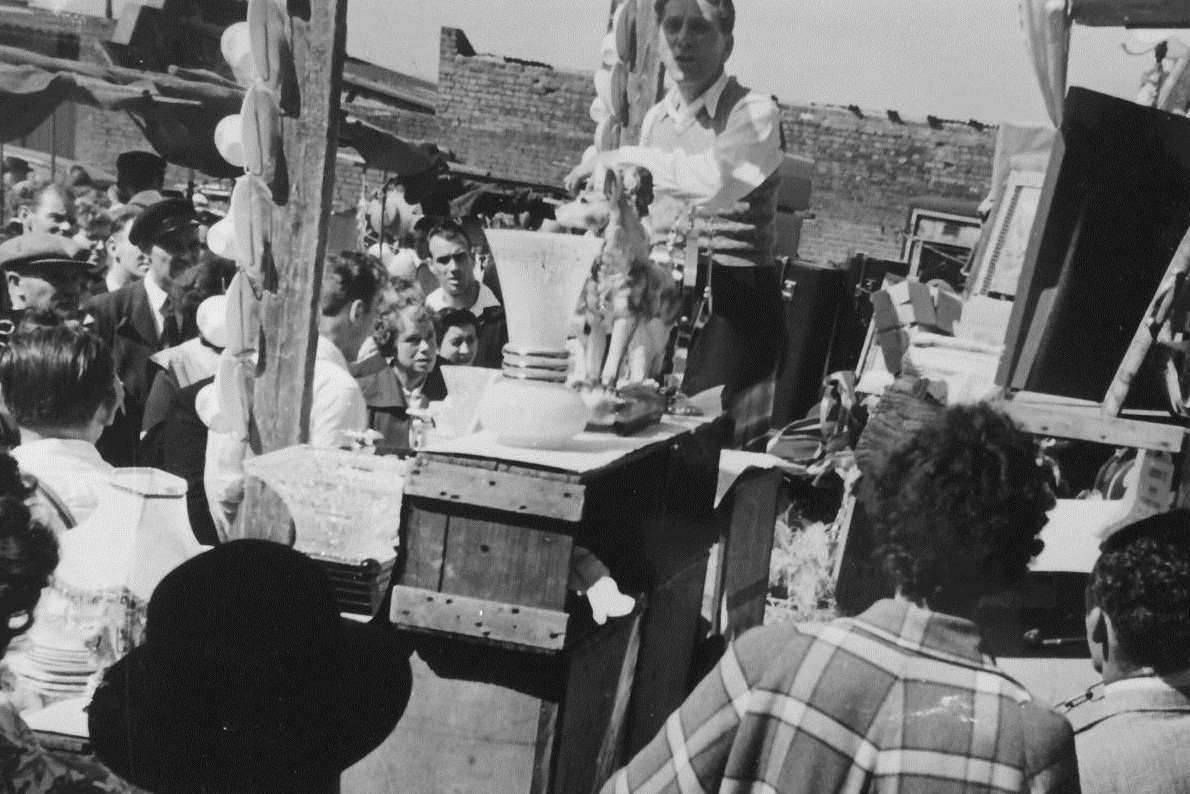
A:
(60, 387)
(714, 150)
(453, 265)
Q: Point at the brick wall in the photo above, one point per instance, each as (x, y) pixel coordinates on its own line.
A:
(517, 119)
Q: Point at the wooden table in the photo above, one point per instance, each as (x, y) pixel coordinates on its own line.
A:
(515, 689)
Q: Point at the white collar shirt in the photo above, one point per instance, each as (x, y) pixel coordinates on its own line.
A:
(337, 404)
(157, 298)
(486, 299)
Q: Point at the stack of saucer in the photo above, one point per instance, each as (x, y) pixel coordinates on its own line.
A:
(551, 366)
(53, 673)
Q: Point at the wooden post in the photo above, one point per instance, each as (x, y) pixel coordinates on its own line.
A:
(644, 79)
(289, 310)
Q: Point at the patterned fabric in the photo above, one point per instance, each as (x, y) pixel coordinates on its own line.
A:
(1133, 736)
(26, 768)
(899, 699)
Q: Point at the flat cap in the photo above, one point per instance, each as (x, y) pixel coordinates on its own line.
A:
(29, 253)
(163, 218)
(139, 167)
(16, 165)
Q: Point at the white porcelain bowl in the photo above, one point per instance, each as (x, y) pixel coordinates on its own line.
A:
(524, 413)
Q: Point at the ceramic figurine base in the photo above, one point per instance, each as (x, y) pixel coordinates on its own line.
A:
(628, 410)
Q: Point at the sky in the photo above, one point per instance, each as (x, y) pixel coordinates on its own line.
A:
(950, 58)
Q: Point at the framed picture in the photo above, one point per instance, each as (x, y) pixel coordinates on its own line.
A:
(997, 270)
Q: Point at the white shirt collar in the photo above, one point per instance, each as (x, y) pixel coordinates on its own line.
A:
(708, 99)
(328, 351)
(1151, 683)
(486, 299)
(157, 298)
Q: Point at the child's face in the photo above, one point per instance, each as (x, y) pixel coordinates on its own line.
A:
(458, 344)
(416, 346)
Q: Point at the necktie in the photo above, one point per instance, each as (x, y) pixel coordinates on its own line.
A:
(170, 332)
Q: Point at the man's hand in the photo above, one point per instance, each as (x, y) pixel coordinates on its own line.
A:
(578, 176)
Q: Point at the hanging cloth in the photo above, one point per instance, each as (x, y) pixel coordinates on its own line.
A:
(1046, 24)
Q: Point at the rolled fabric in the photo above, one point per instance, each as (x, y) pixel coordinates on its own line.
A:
(236, 46)
(266, 29)
(251, 213)
(229, 139)
(624, 28)
(260, 118)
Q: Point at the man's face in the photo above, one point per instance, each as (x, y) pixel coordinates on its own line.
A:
(173, 254)
(416, 346)
(56, 291)
(124, 255)
(52, 214)
(693, 47)
(450, 261)
(95, 240)
(458, 344)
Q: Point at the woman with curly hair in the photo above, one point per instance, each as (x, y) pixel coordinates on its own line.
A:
(28, 556)
(901, 697)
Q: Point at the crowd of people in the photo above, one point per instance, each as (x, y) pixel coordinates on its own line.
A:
(247, 680)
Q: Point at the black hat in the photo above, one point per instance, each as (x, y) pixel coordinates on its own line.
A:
(247, 674)
(1174, 525)
(163, 218)
(139, 168)
(16, 165)
(40, 253)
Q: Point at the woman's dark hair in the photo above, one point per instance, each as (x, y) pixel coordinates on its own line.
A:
(1143, 584)
(451, 317)
(56, 376)
(957, 506)
(28, 550)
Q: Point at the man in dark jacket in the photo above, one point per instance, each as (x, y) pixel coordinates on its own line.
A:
(141, 317)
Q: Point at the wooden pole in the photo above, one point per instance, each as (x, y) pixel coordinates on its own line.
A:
(644, 79)
(289, 310)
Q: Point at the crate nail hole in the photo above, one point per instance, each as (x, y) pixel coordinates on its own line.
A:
(484, 547)
(449, 600)
(523, 507)
(492, 483)
(479, 624)
(442, 493)
(514, 611)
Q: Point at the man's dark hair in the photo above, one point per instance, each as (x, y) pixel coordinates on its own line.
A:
(1143, 584)
(349, 276)
(449, 230)
(29, 194)
(451, 317)
(28, 550)
(56, 376)
(724, 12)
(958, 505)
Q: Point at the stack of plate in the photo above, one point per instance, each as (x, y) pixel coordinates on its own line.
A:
(547, 366)
(53, 672)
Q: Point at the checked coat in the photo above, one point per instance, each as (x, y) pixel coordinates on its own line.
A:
(899, 699)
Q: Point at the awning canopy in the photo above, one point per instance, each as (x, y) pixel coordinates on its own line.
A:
(177, 112)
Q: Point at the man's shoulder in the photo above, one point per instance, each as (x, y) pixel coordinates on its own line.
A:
(118, 299)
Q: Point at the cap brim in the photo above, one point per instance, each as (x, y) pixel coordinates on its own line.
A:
(138, 736)
(47, 265)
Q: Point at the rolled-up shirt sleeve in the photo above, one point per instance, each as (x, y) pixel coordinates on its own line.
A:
(743, 156)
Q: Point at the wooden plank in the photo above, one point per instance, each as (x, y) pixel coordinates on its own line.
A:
(749, 547)
(456, 735)
(515, 493)
(423, 546)
(601, 670)
(543, 757)
(514, 625)
(1132, 13)
(1090, 424)
(668, 636)
(502, 562)
(289, 313)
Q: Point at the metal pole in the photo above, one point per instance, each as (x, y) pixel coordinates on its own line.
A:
(54, 146)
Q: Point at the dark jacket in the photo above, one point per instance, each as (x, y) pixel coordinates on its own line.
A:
(388, 412)
(125, 319)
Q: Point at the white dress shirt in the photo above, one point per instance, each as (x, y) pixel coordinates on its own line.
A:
(486, 299)
(71, 468)
(336, 403)
(744, 155)
(157, 299)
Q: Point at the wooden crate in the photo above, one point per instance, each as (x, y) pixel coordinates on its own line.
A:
(515, 688)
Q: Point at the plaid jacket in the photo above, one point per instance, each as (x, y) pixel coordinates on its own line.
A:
(899, 699)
